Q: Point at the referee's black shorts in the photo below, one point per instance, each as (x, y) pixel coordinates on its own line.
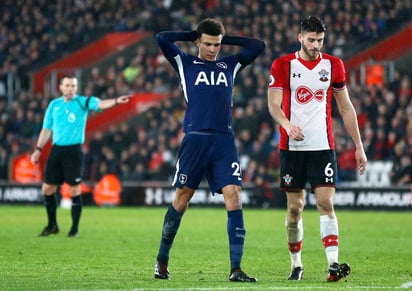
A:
(64, 165)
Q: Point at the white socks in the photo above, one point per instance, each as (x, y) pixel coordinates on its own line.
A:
(330, 237)
(294, 232)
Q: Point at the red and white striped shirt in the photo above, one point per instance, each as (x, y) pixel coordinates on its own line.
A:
(307, 98)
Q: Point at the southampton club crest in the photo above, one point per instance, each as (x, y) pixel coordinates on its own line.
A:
(288, 179)
(323, 75)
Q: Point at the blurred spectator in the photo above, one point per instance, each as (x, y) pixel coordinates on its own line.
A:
(374, 73)
(4, 164)
(404, 175)
(132, 70)
(262, 192)
(138, 173)
(347, 170)
(34, 35)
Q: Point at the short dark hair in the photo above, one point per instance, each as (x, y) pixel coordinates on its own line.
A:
(210, 26)
(67, 76)
(312, 24)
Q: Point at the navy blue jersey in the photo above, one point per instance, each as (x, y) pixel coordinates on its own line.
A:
(208, 86)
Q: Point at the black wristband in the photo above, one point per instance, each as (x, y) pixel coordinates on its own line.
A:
(115, 101)
(39, 149)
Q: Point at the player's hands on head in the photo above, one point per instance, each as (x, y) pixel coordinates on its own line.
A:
(194, 35)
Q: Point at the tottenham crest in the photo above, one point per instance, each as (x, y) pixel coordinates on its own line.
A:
(221, 65)
(182, 178)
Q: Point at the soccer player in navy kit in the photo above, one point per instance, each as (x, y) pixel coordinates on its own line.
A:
(65, 122)
(301, 88)
(208, 147)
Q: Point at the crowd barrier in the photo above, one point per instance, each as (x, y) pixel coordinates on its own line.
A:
(152, 194)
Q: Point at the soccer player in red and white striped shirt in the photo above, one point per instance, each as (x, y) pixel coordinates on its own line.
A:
(300, 92)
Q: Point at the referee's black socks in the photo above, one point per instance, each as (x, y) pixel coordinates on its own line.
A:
(76, 211)
(51, 205)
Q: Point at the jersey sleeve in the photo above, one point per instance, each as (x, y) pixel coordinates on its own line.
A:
(339, 79)
(48, 117)
(278, 74)
(88, 102)
(166, 41)
(93, 103)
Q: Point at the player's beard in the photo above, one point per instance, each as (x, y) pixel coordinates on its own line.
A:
(312, 54)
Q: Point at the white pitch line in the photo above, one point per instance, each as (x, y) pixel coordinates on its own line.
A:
(278, 288)
(407, 285)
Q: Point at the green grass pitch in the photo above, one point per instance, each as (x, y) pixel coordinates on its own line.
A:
(116, 250)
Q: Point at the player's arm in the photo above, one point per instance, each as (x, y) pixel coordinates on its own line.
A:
(44, 136)
(277, 83)
(166, 41)
(348, 113)
(112, 102)
(251, 47)
(275, 109)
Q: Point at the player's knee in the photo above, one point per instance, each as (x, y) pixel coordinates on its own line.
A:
(295, 210)
(182, 198)
(232, 197)
(180, 205)
(49, 189)
(295, 203)
(325, 205)
(74, 191)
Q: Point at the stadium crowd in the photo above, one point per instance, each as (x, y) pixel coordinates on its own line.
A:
(35, 33)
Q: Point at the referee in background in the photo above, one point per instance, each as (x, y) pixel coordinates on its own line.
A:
(65, 122)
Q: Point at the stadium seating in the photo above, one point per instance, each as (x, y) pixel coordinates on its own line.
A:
(273, 21)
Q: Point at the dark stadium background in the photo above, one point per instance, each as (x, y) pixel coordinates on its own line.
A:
(110, 46)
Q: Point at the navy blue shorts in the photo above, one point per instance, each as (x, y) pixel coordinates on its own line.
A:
(209, 155)
(299, 167)
(64, 164)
